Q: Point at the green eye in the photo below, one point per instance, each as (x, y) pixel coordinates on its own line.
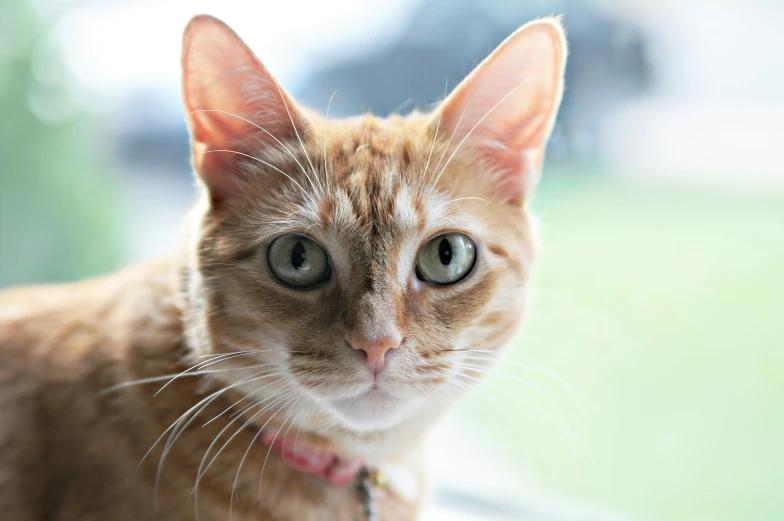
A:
(298, 262)
(446, 259)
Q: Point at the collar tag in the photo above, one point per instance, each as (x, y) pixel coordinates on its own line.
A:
(370, 487)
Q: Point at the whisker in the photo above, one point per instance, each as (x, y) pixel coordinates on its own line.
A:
(435, 135)
(296, 132)
(264, 465)
(239, 468)
(329, 426)
(270, 372)
(529, 363)
(304, 402)
(461, 199)
(267, 164)
(403, 104)
(446, 149)
(155, 379)
(200, 366)
(555, 415)
(202, 468)
(537, 390)
(278, 141)
(214, 394)
(477, 124)
(251, 444)
(522, 428)
(175, 431)
(212, 356)
(324, 141)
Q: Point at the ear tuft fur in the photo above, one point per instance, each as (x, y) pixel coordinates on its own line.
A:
(231, 101)
(505, 109)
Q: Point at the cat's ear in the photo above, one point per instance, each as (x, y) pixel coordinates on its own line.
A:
(504, 110)
(231, 101)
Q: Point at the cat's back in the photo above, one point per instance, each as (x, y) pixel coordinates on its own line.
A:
(41, 326)
(60, 345)
(61, 322)
(72, 335)
(37, 327)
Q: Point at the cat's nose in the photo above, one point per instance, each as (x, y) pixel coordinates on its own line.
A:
(375, 348)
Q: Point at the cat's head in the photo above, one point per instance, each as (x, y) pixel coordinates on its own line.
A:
(362, 260)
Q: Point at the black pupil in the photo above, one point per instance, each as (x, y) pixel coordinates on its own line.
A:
(445, 252)
(298, 255)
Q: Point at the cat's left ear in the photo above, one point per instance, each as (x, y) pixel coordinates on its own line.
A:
(232, 104)
(504, 111)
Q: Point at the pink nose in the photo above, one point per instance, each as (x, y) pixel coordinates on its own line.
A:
(375, 349)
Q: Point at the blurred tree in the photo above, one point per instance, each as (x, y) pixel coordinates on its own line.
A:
(56, 206)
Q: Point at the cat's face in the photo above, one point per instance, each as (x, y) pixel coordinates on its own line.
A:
(361, 260)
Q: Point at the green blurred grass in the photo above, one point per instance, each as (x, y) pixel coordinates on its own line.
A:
(662, 306)
(59, 215)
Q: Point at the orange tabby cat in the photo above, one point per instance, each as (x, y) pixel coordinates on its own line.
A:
(341, 283)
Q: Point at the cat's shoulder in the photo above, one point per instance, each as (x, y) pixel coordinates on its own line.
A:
(30, 315)
(36, 320)
(59, 347)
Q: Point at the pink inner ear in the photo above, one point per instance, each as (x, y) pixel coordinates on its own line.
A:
(218, 170)
(231, 101)
(226, 88)
(517, 174)
(505, 109)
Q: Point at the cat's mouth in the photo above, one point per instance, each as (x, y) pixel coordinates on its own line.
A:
(373, 409)
(374, 394)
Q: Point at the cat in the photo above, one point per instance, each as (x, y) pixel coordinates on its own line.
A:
(339, 284)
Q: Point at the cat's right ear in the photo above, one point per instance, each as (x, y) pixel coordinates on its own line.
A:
(232, 103)
(503, 112)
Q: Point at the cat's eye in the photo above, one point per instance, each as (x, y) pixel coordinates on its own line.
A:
(298, 262)
(446, 259)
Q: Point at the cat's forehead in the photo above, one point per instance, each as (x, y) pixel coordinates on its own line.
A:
(384, 175)
(377, 152)
(371, 185)
(364, 173)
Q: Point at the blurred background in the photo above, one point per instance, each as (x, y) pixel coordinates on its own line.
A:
(647, 382)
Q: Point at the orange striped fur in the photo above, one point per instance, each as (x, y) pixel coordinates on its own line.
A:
(80, 363)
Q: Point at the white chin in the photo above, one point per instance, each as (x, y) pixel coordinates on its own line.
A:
(374, 410)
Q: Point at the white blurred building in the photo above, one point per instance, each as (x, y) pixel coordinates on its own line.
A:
(716, 114)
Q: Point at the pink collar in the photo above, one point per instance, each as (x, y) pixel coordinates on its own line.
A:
(304, 458)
